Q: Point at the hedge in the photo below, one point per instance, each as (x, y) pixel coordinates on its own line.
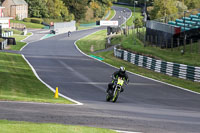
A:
(36, 20)
(33, 20)
(27, 19)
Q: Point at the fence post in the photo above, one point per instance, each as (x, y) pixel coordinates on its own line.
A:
(156, 40)
(147, 39)
(191, 46)
(161, 42)
(172, 43)
(166, 43)
(178, 42)
(184, 45)
(151, 40)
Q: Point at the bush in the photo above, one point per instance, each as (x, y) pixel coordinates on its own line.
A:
(27, 19)
(36, 20)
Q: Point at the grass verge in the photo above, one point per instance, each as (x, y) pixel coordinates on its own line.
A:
(171, 55)
(28, 127)
(28, 24)
(86, 43)
(18, 39)
(18, 83)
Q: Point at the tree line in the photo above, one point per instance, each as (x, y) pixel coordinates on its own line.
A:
(163, 8)
(68, 9)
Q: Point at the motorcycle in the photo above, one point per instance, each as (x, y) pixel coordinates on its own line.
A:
(114, 93)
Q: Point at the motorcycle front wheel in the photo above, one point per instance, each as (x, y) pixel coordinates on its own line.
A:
(115, 96)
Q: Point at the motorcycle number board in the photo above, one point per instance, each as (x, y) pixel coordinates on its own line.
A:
(108, 23)
(120, 81)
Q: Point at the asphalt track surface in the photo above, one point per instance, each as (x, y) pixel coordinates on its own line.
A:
(145, 105)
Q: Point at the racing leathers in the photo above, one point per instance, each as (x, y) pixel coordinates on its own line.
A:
(115, 75)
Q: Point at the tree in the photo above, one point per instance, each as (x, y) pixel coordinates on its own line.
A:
(181, 6)
(163, 8)
(77, 7)
(37, 8)
(192, 4)
(58, 10)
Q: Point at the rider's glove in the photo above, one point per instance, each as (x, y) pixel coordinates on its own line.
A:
(127, 81)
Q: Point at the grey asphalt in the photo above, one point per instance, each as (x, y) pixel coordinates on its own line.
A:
(145, 105)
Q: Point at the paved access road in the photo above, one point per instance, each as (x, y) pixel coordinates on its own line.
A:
(145, 105)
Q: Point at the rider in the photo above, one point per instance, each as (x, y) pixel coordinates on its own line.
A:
(120, 73)
(69, 33)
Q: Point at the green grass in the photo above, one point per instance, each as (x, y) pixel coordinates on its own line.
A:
(28, 127)
(85, 44)
(96, 40)
(171, 55)
(18, 39)
(28, 24)
(137, 13)
(18, 83)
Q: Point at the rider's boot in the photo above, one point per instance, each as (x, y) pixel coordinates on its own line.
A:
(122, 89)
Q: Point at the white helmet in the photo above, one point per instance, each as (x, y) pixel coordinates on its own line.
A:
(122, 69)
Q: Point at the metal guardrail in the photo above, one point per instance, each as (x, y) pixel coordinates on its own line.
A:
(169, 68)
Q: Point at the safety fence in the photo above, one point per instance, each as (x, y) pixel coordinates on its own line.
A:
(169, 68)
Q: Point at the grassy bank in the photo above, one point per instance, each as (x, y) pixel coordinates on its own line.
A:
(28, 24)
(18, 38)
(171, 55)
(18, 82)
(86, 43)
(27, 127)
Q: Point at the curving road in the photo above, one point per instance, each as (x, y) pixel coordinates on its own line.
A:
(145, 105)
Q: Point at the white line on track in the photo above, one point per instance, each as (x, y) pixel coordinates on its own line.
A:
(78, 103)
(35, 73)
(119, 131)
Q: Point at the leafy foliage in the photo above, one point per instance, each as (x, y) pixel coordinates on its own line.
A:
(163, 8)
(67, 10)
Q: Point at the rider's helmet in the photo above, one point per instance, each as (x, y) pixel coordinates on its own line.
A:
(122, 69)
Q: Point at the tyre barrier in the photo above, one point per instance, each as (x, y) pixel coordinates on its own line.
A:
(169, 68)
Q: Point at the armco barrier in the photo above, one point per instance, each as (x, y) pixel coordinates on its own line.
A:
(169, 68)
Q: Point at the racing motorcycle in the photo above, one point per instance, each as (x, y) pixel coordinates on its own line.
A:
(114, 93)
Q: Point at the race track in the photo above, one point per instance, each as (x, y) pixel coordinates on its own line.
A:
(145, 105)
